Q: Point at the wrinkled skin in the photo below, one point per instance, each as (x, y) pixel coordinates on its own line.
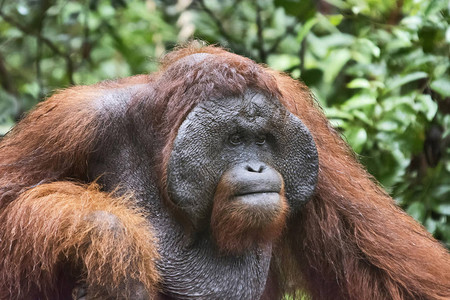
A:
(193, 183)
(263, 153)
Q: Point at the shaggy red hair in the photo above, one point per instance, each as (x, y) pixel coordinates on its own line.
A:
(349, 242)
(237, 227)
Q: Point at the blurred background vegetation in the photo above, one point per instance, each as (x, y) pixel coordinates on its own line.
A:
(379, 68)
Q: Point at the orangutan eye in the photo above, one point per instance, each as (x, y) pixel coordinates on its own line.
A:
(260, 140)
(235, 139)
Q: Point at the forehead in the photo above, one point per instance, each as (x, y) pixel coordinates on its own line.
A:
(250, 106)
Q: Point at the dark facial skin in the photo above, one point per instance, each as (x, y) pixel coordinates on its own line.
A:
(257, 152)
(241, 133)
(254, 145)
(255, 183)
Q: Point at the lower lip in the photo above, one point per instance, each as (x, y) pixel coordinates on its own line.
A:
(260, 199)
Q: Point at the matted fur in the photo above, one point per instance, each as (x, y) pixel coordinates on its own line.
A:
(60, 227)
(349, 242)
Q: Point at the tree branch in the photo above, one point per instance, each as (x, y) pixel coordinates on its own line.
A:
(5, 79)
(232, 8)
(215, 19)
(289, 30)
(26, 30)
(46, 41)
(259, 25)
(301, 54)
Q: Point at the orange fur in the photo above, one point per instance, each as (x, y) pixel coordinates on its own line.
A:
(56, 138)
(45, 236)
(349, 242)
(237, 227)
(58, 228)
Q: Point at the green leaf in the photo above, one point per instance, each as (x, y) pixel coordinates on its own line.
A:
(412, 22)
(427, 106)
(431, 225)
(445, 230)
(363, 117)
(332, 112)
(5, 127)
(441, 191)
(359, 83)
(283, 62)
(434, 6)
(357, 137)
(442, 86)
(443, 209)
(335, 19)
(397, 82)
(302, 10)
(334, 64)
(387, 125)
(306, 29)
(338, 123)
(417, 210)
(390, 103)
(336, 40)
(373, 49)
(358, 101)
(32, 88)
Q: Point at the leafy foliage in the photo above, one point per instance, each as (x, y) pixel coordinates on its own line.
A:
(380, 69)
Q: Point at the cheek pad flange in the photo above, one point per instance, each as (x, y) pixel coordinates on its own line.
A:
(197, 160)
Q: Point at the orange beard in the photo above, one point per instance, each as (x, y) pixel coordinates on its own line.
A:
(238, 223)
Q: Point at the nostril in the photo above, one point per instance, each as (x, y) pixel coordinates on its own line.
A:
(255, 168)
